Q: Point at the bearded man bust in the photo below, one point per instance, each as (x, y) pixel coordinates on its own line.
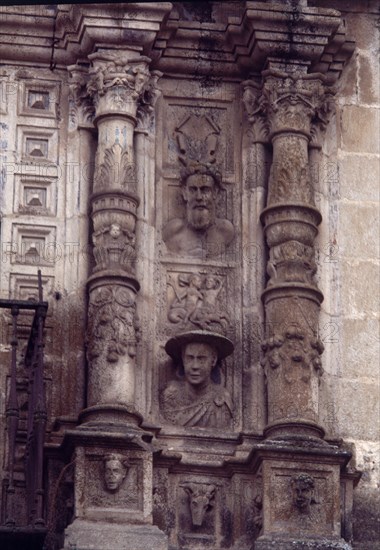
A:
(200, 233)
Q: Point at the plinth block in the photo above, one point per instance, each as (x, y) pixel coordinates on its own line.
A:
(89, 535)
(293, 544)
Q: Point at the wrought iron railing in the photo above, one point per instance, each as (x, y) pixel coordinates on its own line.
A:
(12, 528)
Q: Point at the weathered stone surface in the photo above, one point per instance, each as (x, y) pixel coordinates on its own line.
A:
(359, 176)
(180, 168)
(358, 126)
(364, 243)
(361, 299)
(89, 535)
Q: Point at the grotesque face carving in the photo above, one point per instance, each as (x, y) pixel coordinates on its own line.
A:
(115, 470)
(115, 230)
(198, 361)
(303, 492)
(199, 194)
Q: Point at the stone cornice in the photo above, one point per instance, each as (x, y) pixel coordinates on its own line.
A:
(233, 46)
(313, 37)
(60, 35)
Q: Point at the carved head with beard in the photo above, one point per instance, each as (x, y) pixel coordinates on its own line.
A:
(200, 190)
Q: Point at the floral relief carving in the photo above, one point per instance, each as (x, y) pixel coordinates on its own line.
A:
(126, 76)
(196, 303)
(289, 178)
(113, 329)
(116, 171)
(295, 355)
(291, 261)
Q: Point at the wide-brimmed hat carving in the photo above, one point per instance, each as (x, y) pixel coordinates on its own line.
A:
(223, 345)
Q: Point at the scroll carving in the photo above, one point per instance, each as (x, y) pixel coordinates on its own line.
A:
(201, 500)
(197, 302)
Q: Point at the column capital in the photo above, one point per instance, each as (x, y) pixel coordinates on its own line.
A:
(117, 80)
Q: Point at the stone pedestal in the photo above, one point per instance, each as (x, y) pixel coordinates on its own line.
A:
(301, 495)
(88, 535)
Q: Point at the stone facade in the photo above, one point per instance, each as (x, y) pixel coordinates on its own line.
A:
(198, 184)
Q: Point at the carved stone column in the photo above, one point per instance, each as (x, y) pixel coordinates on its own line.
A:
(290, 104)
(112, 455)
(117, 81)
(288, 111)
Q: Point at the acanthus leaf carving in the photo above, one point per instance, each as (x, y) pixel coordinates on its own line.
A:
(124, 75)
(81, 106)
(115, 171)
(322, 115)
(255, 109)
(147, 101)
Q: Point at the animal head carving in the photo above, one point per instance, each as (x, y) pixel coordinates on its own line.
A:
(201, 497)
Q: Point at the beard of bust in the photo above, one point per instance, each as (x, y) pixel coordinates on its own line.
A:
(200, 218)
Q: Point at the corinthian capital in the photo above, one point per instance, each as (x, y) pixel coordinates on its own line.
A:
(291, 100)
(147, 101)
(82, 110)
(252, 99)
(117, 81)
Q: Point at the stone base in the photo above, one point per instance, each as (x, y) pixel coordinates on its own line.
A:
(294, 544)
(89, 535)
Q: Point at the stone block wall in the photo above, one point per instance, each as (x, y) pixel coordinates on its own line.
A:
(349, 265)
